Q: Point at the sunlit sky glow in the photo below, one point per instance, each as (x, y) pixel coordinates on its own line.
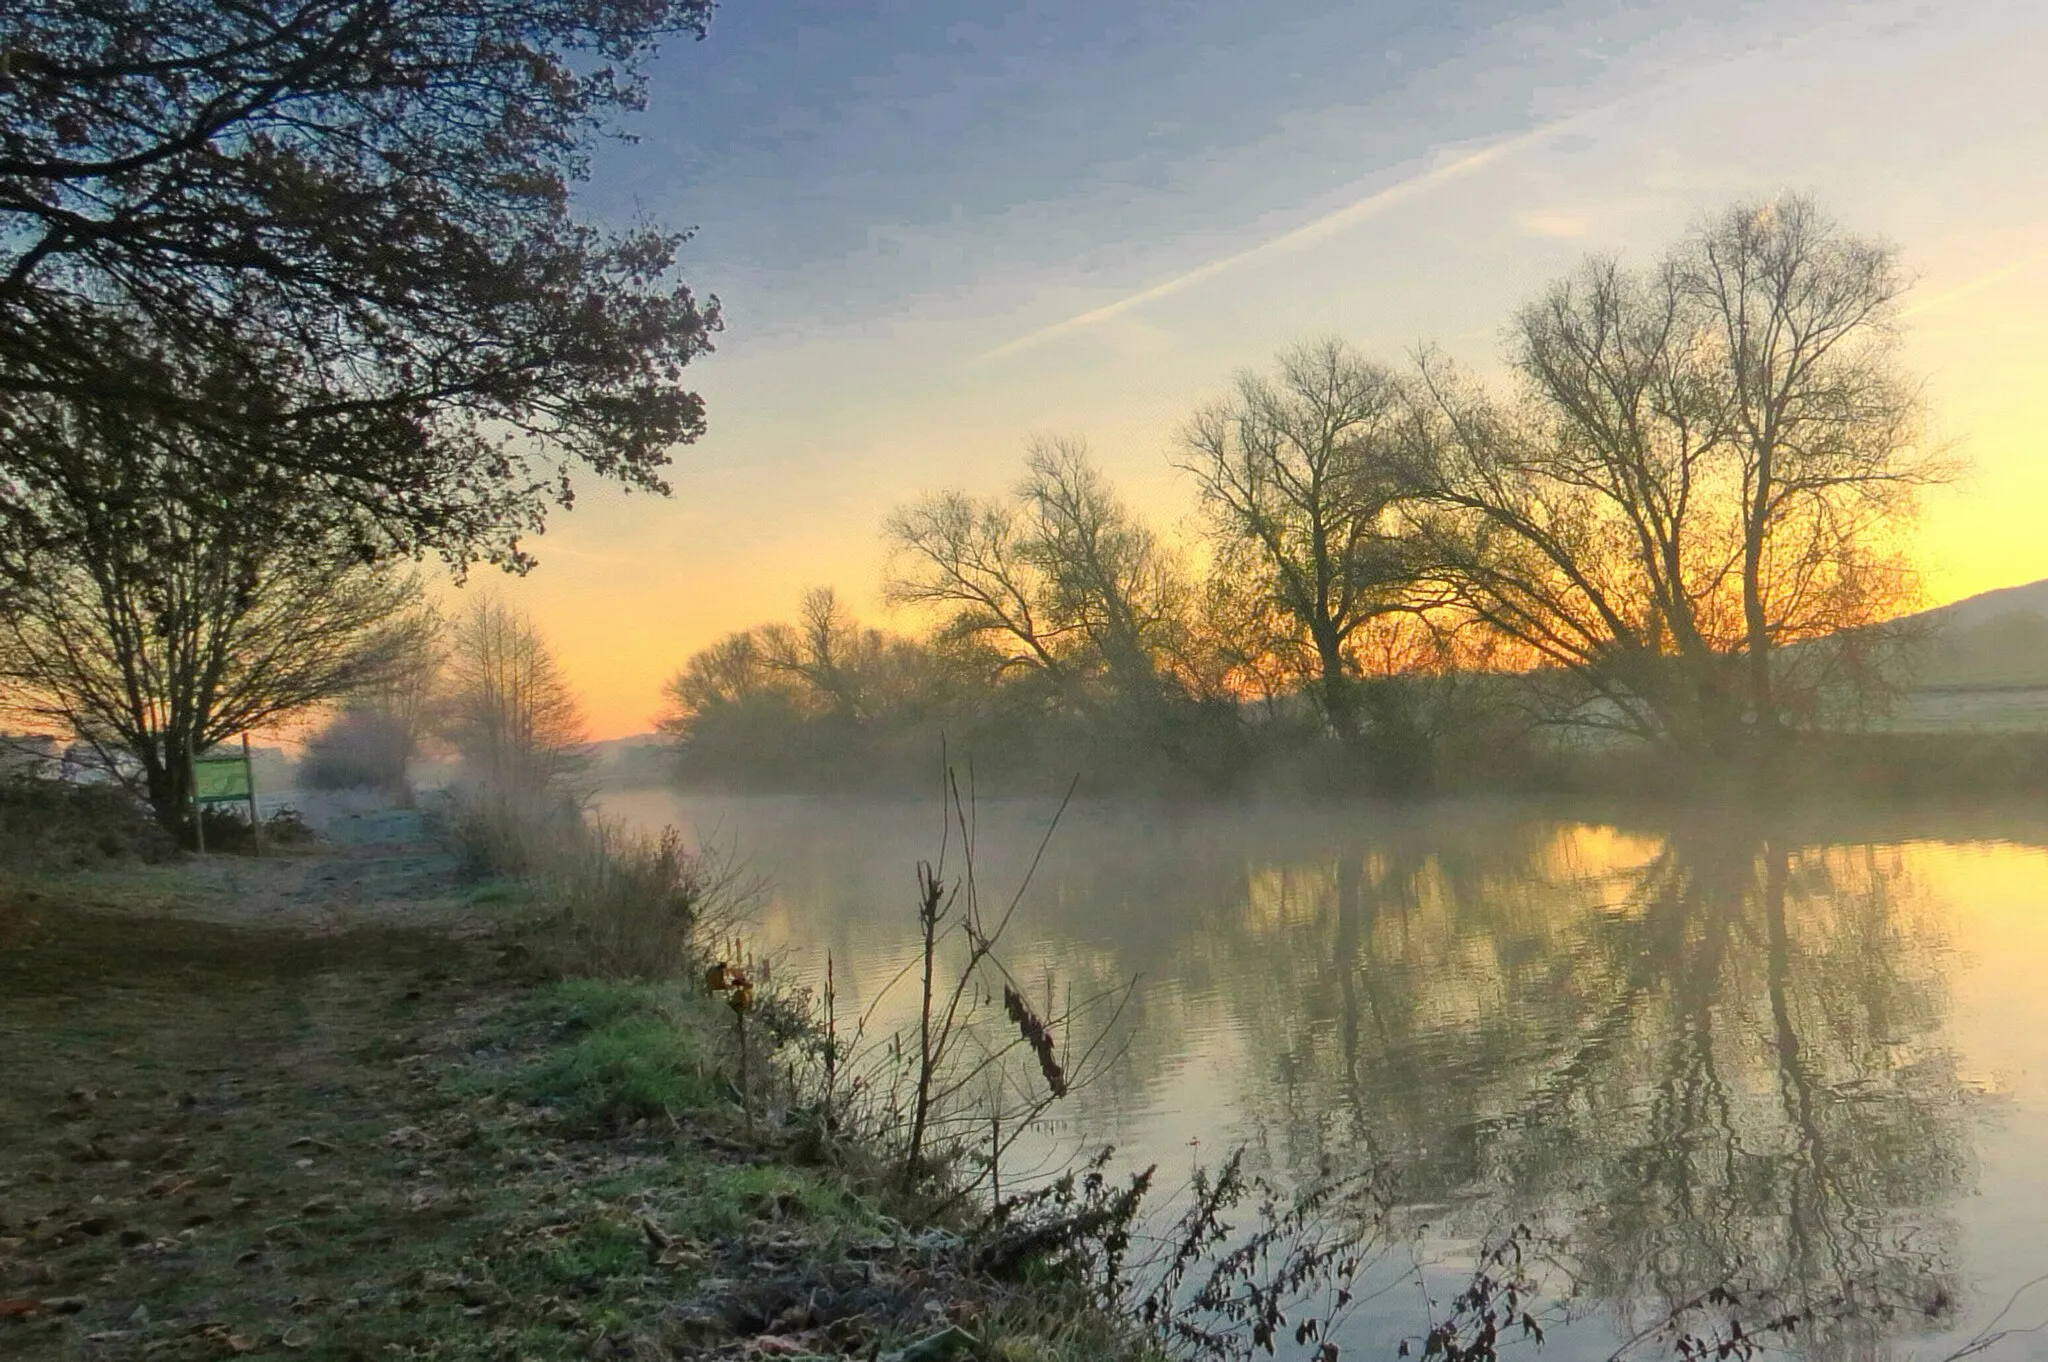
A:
(935, 236)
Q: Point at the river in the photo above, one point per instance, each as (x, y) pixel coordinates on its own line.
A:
(1806, 1055)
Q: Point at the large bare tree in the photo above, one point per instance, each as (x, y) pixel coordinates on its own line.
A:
(1801, 324)
(1692, 501)
(1062, 578)
(1296, 471)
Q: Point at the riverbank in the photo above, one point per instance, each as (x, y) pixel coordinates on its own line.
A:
(332, 1105)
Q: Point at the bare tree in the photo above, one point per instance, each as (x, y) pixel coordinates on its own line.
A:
(833, 656)
(966, 557)
(1296, 473)
(1062, 578)
(729, 672)
(1104, 572)
(174, 602)
(1691, 503)
(509, 711)
(1802, 320)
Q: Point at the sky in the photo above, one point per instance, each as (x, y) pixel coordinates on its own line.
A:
(937, 230)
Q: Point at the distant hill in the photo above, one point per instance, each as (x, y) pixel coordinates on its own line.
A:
(1996, 640)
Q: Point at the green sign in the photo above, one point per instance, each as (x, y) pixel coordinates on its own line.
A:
(219, 780)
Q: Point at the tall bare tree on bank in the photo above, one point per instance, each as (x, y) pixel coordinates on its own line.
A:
(172, 599)
(338, 236)
(1707, 463)
(1297, 473)
(1801, 320)
(509, 712)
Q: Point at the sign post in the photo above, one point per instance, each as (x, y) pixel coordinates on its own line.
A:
(227, 779)
(198, 810)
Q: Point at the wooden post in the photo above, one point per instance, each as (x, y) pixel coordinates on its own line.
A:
(192, 770)
(255, 819)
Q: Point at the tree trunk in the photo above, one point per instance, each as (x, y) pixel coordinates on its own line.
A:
(167, 782)
(1762, 702)
(1340, 701)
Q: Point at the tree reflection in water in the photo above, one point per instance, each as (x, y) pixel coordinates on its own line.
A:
(1700, 1055)
(1709, 1059)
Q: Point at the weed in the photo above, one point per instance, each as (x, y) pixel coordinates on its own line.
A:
(931, 1092)
(1207, 1287)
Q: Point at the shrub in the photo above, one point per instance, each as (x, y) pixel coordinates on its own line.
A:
(361, 748)
(629, 906)
(633, 906)
(48, 824)
(509, 832)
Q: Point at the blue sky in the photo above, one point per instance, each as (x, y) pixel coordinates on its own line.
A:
(940, 229)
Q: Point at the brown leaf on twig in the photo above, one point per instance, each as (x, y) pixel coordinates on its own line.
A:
(1038, 1036)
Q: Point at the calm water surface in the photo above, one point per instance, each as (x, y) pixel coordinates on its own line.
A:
(1690, 1050)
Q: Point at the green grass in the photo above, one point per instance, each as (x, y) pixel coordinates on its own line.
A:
(628, 1069)
(618, 1053)
(499, 891)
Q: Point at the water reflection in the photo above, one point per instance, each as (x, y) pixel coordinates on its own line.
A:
(1700, 1060)
(1706, 1054)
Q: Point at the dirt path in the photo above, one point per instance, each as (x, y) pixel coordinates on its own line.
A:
(199, 1070)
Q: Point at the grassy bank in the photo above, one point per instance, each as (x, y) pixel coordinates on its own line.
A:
(346, 1105)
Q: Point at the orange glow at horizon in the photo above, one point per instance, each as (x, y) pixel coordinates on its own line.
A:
(629, 587)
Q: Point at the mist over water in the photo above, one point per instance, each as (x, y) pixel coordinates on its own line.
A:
(1695, 1049)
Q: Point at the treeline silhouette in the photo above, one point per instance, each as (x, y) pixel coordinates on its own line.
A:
(1670, 542)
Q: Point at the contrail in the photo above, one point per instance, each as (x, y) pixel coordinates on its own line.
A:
(1327, 225)
(1975, 285)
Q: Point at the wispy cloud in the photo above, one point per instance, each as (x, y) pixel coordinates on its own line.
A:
(1322, 228)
